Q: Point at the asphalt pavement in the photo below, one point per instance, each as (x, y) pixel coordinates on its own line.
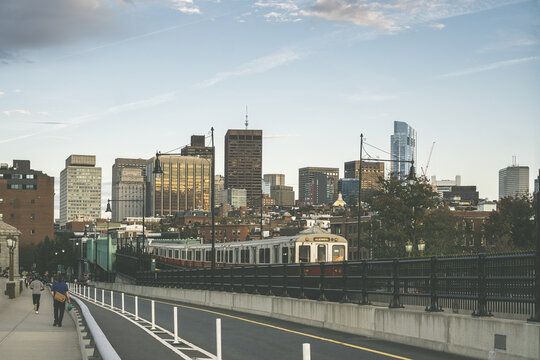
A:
(244, 336)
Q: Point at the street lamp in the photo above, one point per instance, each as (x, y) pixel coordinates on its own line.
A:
(408, 248)
(11, 244)
(421, 246)
(410, 177)
(159, 170)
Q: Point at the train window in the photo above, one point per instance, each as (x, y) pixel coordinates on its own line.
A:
(198, 255)
(338, 252)
(231, 260)
(292, 257)
(170, 254)
(236, 254)
(304, 253)
(189, 254)
(321, 253)
(254, 256)
(226, 256)
(264, 256)
(176, 254)
(276, 254)
(183, 254)
(208, 255)
(285, 255)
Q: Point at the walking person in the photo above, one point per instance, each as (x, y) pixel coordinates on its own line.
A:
(37, 287)
(60, 294)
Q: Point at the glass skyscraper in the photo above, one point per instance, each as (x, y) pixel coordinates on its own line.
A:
(403, 148)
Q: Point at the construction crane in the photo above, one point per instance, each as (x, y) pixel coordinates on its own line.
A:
(428, 160)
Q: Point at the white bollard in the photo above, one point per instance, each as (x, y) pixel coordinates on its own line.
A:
(175, 325)
(103, 297)
(136, 308)
(306, 352)
(122, 303)
(153, 315)
(95, 294)
(218, 339)
(112, 300)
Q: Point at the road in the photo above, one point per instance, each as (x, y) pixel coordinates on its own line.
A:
(244, 336)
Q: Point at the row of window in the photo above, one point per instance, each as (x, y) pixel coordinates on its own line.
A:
(22, 186)
(17, 176)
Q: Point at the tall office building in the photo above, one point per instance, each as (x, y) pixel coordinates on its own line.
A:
(283, 195)
(27, 201)
(197, 148)
(537, 183)
(513, 181)
(128, 188)
(274, 179)
(371, 173)
(80, 189)
(403, 148)
(184, 185)
(243, 163)
(306, 185)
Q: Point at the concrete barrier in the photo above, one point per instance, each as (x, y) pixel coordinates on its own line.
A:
(452, 333)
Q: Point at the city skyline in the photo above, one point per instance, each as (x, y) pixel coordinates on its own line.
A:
(314, 76)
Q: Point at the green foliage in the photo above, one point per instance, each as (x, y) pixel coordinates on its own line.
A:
(512, 226)
(49, 253)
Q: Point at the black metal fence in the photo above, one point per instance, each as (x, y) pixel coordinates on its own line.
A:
(483, 284)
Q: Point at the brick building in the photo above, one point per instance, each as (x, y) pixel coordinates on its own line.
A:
(27, 201)
(225, 233)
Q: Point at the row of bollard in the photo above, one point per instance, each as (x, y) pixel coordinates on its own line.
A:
(85, 292)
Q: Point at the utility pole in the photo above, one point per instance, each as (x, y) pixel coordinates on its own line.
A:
(359, 198)
(212, 205)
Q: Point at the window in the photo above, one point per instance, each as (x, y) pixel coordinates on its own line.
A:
(32, 232)
(284, 255)
(304, 253)
(176, 254)
(276, 254)
(183, 254)
(170, 254)
(33, 201)
(292, 256)
(321, 253)
(30, 176)
(198, 255)
(338, 252)
(208, 255)
(189, 255)
(12, 216)
(264, 256)
(32, 216)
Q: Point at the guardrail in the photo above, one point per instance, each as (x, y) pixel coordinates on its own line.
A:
(481, 283)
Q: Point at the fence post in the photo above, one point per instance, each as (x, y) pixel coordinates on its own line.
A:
(344, 276)
(302, 271)
(284, 293)
(112, 300)
(136, 308)
(153, 315)
(434, 287)
(536, 316)
(231, 273)
(269, 275)
(322, 296)
(103, 297)
(365, 300)
(395, 277)
(95, 294)
(123, 310)
(482, 287)
(255, 290)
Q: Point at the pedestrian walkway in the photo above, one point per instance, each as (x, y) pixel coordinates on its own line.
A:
(27, 335)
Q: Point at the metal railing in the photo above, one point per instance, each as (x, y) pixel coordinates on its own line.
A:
(481, 283)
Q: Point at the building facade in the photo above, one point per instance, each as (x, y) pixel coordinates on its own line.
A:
(274, 179)
(184, 185)
(80, 189)
(198, 148)
(307, 186)
(283, 195)
(243, 163)
(442, 186)
(234, 197)
(402, 148)
(27, 201)
(372, 172)
(513, 181)
(128, 188)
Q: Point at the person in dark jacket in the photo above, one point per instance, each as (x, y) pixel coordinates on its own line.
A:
(60, 293)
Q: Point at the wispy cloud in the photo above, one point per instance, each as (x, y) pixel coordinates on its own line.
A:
(256, 66)
(152, 101)
(280, 10)
(487, 67)
(16, 112)
(2, 93)
(185, 6)
(504, 45)
(18, 91)
(370, 97)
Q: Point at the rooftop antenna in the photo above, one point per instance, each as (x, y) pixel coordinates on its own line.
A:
(247, 117)
(514, 160)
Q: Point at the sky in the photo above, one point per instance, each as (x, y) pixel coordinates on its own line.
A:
(127, 78)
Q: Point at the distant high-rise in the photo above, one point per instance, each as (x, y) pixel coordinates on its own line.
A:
(537, 183)
(80, 189)
(403, 148)
(513, 181)
(128, 190)
(234, 197)
(274, 179)
(283, 195)
(306, 189)
(371, 172)
(243, 163)
(197, 147)
(27, 201)
(184, 185)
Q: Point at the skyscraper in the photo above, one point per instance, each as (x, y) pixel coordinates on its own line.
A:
(274, 179)
(27, 201)
(403, 148)
(80, 189)
(197, 147)
(306, 190)
(371, 172)
(513, 181)
(184, 185)
(243, 163)
(128, 190)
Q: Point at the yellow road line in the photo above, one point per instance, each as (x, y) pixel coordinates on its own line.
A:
(282, 329)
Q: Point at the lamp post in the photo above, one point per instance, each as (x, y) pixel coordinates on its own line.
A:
(159, 170)
(11, 244)
(421, 246)
(408, 248)
(410, 177)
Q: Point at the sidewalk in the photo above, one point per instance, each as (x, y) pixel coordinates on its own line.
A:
(27, 335)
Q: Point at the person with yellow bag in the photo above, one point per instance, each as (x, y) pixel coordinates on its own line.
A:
(60, 293)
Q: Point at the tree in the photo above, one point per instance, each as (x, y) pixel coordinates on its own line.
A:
(512, 226)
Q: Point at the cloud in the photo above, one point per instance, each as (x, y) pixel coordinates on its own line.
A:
(2, 93)
(185, 6)
(18, 91)
(371, 97)
(487, 67)
(49, 122)
(135, 105)
(437, 26)
(16, 112)
(282, 10)
(256, 66)
(504, 45)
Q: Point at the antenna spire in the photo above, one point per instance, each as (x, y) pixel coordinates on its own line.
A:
(247, 117)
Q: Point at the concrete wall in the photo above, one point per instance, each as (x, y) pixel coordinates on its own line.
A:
(452, 333)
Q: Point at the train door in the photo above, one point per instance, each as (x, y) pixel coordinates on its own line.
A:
(304, 253)
(285, 255)
(321, 253)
